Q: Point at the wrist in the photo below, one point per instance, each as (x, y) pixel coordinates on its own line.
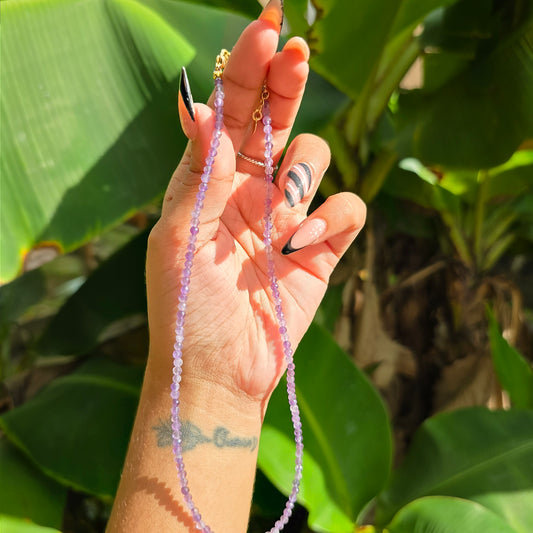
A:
(203, 399)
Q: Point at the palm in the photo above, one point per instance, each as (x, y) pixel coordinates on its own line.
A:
(249, 319)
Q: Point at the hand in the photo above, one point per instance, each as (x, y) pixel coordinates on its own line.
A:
(231, 336)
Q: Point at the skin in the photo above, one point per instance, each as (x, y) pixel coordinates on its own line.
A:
(232, 355)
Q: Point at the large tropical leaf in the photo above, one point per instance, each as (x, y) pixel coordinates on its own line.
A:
(439, 514)
(246, 7)
(26, 492)
(347, 437)
(88, 110)
(482, 111)
(512, 179)
(20, 295)
(514, 372)
(477, 454)
(10, 524)
(77, 429)
(116, 290)
(350, 36)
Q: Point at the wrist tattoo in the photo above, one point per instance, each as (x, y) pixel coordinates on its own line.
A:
(192, 436)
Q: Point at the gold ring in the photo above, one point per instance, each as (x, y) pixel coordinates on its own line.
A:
(254, 161)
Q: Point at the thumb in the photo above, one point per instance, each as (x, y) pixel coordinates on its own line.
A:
(202, 152)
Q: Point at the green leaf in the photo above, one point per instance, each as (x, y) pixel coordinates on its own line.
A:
(88, 111)
(402, 182)
(349, 37)
(267, 500)
(248, 8)
(330, 308)
(114, 291)
(18, 296)
(347, 436)
(9, 524)
(513, 371)
(77, 429)
(480, 116)
(510, 180)
(477, 454)
(295, 12)
(412, 12)
(437, 514)
(29, 494)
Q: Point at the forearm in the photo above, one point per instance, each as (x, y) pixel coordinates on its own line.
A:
(220, 439)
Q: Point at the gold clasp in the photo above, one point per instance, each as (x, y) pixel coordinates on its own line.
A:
(221, 62)
(257, 115)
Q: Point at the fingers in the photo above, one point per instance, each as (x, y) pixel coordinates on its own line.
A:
(243, 78)
(334, 226)
(285, 83)
(305, 163)
(182, 192)
(247, 69)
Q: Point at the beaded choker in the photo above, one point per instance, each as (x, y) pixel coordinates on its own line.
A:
(261, 115)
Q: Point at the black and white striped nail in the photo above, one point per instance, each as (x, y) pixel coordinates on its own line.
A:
(299, 179)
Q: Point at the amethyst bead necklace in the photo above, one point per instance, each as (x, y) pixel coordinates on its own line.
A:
(263, 115)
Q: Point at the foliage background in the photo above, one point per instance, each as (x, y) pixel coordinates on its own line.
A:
(415, 379)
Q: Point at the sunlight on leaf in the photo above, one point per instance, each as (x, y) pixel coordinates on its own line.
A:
(347, 437)
(447, 515)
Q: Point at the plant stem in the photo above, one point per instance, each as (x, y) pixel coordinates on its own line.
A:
(457, 238)
(343, 157)
(397, 68)
(375, 176)
(480, 216)
(382, 82)
(356, 119)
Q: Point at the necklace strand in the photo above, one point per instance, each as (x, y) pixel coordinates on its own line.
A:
(274, 286)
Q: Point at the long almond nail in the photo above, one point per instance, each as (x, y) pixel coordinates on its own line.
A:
(299, 180)
(308, 233)
(273, 12)
(185, 102)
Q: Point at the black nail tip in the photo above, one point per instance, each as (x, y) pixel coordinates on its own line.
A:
(282, 15)
(185, 91)
(288, 249)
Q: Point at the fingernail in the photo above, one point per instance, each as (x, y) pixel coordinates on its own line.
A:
(308, 233)
(273, 12)
(299, 179)
(185, 101)
(299, 46)
(185, 91)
